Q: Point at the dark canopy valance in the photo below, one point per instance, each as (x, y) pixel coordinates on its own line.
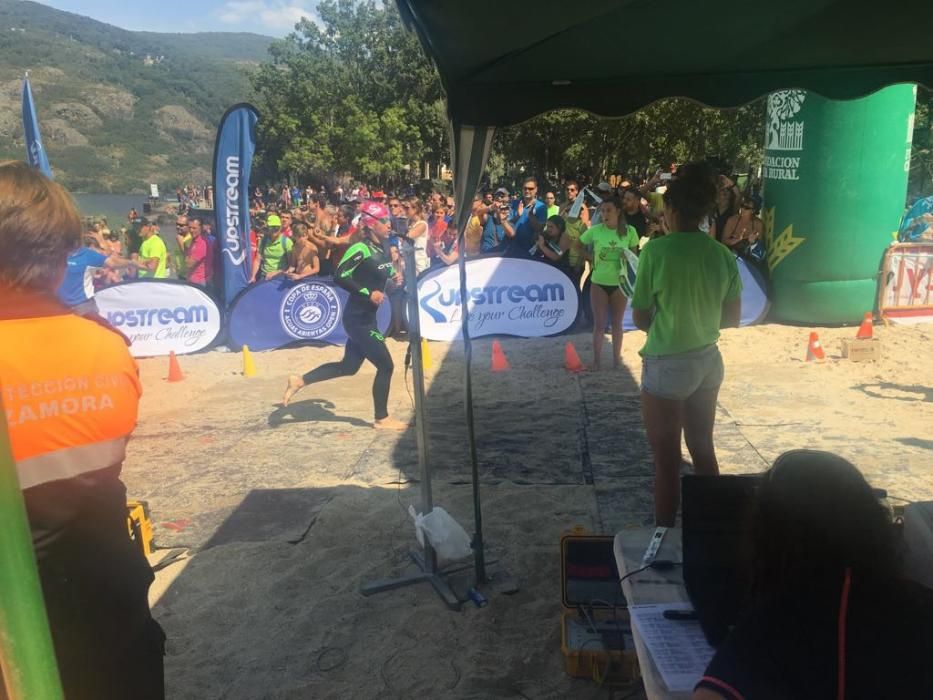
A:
(503, 62)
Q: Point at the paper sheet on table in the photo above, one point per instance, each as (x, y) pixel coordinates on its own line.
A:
(678, 647)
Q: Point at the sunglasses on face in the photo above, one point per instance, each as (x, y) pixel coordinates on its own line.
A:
(529, 189)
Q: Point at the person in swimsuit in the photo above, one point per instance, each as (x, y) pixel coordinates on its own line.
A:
(608, 239)
(303, 260)
(363, 272)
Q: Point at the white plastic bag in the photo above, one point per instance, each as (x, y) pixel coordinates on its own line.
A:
(445, 534)
(627, 273)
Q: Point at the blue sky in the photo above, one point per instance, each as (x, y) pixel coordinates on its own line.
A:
(270, 17)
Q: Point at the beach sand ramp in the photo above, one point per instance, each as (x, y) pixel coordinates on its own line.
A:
(265, 515)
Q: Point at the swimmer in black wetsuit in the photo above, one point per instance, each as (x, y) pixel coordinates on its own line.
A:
(363, 272)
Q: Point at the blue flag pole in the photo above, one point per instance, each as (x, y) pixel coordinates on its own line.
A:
(35, 152)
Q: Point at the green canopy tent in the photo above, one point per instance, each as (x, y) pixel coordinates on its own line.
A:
(502, 63)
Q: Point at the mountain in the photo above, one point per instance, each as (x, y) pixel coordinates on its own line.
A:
(120, 109)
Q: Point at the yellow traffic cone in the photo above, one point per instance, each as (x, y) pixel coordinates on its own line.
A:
(425, 355)
(249, 367)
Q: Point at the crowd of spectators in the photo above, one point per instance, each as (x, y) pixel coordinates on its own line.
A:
(297, 232)
(194, 197)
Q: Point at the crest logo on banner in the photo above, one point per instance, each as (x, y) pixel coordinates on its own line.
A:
(310, 311)
(506, 296)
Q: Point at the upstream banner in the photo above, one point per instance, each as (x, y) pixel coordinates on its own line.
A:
(161, 316)
(233, 158)
(506, 296)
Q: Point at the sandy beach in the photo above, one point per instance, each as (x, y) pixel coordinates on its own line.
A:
(285, 512)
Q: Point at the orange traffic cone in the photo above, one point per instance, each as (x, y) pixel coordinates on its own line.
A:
(572, 359)
(499, 362)
(814, 349)
(864, 330)
(174, 371)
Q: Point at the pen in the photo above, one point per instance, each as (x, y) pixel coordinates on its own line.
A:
(680, 615)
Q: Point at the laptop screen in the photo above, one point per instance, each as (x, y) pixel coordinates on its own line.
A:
(716, 513)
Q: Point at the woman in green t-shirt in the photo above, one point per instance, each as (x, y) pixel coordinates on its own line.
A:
(687, 288)
(608, 238)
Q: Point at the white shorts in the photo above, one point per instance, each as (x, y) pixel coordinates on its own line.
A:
(678, 377)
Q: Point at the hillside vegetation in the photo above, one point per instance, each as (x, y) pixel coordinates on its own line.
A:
(120, 109)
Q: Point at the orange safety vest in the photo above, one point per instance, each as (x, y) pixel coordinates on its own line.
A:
(70, 391)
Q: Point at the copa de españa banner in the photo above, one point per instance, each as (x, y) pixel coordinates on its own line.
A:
(161, 316)
(506, 296)
(233, 158)
(279, 312)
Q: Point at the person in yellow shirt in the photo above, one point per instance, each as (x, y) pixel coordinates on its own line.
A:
(183, 240)
(576, 227)
(473, 233)
(152, 252)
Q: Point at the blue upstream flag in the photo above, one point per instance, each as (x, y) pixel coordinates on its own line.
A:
(233, 159)
(35, 153)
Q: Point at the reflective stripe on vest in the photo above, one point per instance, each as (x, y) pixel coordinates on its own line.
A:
(70, 462)
(70, 392)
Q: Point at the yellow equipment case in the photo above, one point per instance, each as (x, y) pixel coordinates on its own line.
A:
(139, 524)
(596, 633)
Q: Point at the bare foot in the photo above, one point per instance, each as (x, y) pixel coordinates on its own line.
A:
(294, 386)
(390, 424)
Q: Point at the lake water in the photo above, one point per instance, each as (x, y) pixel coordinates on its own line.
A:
(113, 206)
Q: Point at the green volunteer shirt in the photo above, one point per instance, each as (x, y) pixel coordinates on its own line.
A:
(274, 254)
(553, 210)
(686, 277)
(154, 247)
(607, 251)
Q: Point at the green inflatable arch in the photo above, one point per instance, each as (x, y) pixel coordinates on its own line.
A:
(835, 181)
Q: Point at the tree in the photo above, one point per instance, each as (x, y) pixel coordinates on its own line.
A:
(568, 143)
(920, 181)
(353, 94)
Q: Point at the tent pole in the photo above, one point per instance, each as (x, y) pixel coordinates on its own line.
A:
(479, 555)
(426, 561)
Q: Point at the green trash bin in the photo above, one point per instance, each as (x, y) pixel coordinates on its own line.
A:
(835, 181)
